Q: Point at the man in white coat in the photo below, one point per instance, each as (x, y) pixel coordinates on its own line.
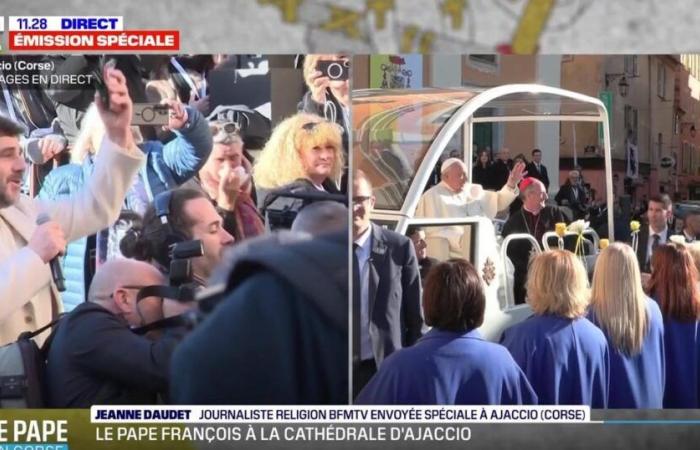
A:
(454, 197)
(28, 297)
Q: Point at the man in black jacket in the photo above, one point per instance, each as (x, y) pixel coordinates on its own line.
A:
(95, 358)
(500, 170)
(655, 230)
(277, 332)
(573, 195)
(536, 169)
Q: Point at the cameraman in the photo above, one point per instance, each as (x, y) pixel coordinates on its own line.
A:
(95, 358)
(191, 216)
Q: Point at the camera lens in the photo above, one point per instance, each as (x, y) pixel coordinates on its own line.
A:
(148, 114)
(335, 71)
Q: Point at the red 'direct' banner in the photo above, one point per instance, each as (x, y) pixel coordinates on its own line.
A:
(127, 40)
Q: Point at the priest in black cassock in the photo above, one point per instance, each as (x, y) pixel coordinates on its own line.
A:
(534, 218)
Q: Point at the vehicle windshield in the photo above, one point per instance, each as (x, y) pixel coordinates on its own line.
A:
(393, 131)
(540, 104)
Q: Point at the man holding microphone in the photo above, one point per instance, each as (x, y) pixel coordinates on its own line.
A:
(33, 233)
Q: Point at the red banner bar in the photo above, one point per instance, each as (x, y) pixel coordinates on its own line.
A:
(127, 40)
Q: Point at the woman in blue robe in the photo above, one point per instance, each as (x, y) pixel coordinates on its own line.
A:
(563, 354)
(674, 285)
(452, 363)
(633, 327)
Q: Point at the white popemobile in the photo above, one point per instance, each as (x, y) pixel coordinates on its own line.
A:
(399, 137)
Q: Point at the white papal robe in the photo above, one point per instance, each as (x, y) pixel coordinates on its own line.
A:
(441, 202)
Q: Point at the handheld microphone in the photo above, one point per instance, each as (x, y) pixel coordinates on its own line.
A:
(55, 263)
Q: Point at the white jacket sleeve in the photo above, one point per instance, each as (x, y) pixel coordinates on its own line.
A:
(98, 204)
(22, 276)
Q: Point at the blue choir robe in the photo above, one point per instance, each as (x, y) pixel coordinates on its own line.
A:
(445, 368)
(566, 360)
(638, 381)
(682, 345)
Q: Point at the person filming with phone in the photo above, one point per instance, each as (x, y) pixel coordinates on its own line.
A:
(33, 233)
(167, 166)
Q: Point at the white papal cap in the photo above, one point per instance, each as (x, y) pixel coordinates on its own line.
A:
(446, 164)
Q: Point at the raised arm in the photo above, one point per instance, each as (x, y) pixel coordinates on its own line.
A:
(98, 204)
(186, 154)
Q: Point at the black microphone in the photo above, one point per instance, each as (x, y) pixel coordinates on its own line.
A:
(55, 263)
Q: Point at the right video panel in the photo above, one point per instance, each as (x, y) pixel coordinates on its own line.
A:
(515, 222)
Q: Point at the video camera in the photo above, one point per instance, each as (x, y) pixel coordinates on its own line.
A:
(181, 254)
(282, 205)
(181, 288)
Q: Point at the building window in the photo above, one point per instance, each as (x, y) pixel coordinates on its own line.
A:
(676, 123)
(631, 123)
(486, 63)
(631, 68)
(484, 59)
(659, 146)
(686, 158)
(661, 80)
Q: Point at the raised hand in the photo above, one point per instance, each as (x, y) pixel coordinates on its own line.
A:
(48, 240)
(116, 118)
(230, 183)
(177, 116)
(516, 175)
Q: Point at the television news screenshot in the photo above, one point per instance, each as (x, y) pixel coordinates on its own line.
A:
(349, 224)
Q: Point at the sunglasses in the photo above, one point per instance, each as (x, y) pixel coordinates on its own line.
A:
(312, 126)
(142, 292)
(226, 133)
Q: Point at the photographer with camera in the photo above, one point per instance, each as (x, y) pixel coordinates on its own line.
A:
(328, 80)
(95, 357)
(173, 224)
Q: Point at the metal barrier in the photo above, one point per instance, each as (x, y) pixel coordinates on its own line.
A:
(589, 231)
(510, 300)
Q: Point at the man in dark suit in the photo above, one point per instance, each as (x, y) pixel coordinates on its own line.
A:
(691, 226)
(386, 289)
(573, 195)
(536, 169)
(655, 231)
(417, 236)
(500, 170)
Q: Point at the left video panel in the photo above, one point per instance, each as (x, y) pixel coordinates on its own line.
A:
(173, 229)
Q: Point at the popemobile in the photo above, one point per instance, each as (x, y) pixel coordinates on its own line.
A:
(400, 136)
